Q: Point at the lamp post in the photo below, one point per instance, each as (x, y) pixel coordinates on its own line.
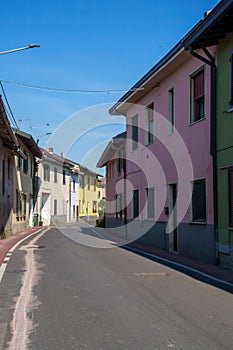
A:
(30, 46)
(47, 133)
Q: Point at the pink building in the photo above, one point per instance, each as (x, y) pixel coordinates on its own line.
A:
(169, 175)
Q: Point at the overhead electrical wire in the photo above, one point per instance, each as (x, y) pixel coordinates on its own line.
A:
(80, 91)
(9, 107)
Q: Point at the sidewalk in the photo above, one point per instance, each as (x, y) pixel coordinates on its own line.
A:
(9, 242)
(211, 270)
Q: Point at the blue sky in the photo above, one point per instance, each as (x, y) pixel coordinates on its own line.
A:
(85, 44)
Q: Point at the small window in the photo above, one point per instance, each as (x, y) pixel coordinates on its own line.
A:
(135, 203)
(199, 201)
(25, 164)
(134, 132)
(231, 197)
(150, 203)
(149, 132)
(55, 175)
(171, 110)
(63, 176)
(94, 207)
(73, 185)
(3, 176)
(55, 207)
(231, 80)
(46, 172)
(88, 183)
(9, 168)
(197, 96)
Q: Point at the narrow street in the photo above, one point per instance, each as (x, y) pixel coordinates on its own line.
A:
(71, 296)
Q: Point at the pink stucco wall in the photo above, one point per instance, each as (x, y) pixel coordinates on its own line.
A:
(155, 160)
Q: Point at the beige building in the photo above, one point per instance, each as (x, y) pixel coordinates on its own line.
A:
(8, 148)
(24, 182)
(54, 188)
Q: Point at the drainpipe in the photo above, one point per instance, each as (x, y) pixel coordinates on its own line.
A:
(213, 135)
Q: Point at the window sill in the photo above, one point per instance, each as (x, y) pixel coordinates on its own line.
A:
(198, 223)
(197, 121)
(230, 110)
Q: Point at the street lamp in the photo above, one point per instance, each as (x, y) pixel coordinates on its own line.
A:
(30, 46)
(47, 133)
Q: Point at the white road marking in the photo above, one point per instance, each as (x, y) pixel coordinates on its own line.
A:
(22, 324)
(4, 264)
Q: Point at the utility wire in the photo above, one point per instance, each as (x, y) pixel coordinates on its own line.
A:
(9, 107)
(68, 90)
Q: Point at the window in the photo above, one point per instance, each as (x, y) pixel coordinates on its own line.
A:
(88, 183)
(9, 168)
(73, 185)
(55, 207)
(20, 162)
(55, 174)
(21, 206)
(99, 194)
(94, 207)
(135, 203)
(231, 79)
(149, 132)
(63, 176)
(74, 211)
(3, 176)
(231, 197)
(134, 132)
(197, 96)
(171, 110)
(119, 198)
(150, 203)
(199, 201)
(46, 172)
(25, 164)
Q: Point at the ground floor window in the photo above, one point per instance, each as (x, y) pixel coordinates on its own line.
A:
(231, 197)
(94, 207)
(150, 203)
(21, 206)
(55, 207)
(199, 201)
(135, 203)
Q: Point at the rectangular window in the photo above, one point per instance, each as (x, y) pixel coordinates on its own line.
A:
(63, 176)
(134, 132)
(94, 207)
(46, 172)
(171, 110)
(55, 175)
(18, 207)
(135, 203)
(74, 211)
(231, 197)
(24, 205)
(231, 79)
(88, 183)
(25, 164)
(9, 168)
(150, 203)
(197, 96)
(73, 185)
(3, 176)
(55, 207)
(149, 132)
(20, 162)
(199, 201)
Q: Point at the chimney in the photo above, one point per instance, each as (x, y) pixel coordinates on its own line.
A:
(50, 149)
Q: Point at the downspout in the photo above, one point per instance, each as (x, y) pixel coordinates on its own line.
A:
(213, 135)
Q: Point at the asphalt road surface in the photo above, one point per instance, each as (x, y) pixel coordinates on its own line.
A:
(58, 294)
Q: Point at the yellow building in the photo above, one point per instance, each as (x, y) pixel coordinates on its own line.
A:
(88, 194)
